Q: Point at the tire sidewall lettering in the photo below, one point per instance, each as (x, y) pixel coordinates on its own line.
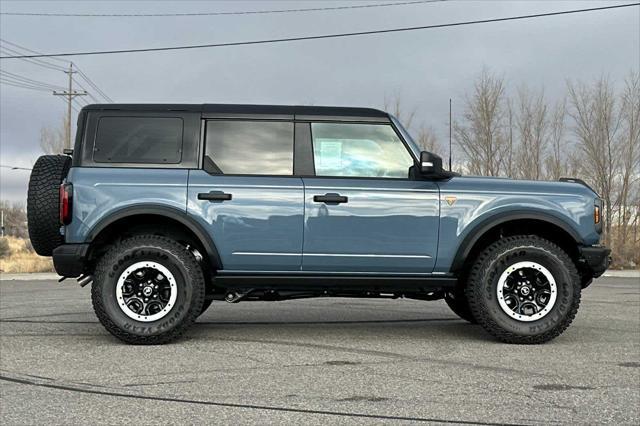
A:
(177, 313)
(498, 264)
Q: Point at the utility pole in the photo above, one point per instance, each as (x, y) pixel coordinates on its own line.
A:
(70, 94)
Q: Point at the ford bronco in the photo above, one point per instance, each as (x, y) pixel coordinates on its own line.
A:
(166, 208)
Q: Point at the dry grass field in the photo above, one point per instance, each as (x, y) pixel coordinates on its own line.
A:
(18, 256)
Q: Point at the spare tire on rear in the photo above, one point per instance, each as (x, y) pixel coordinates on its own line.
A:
(43, 202)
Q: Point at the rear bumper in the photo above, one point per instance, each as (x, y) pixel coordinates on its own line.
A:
(69, 259)
(596, 258)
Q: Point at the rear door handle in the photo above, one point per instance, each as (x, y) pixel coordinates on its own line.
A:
(214, 196)
(330, 199)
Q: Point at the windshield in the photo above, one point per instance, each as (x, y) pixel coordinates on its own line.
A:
(406, 136)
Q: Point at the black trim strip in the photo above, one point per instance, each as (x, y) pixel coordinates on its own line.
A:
(367, 282)
(302, 150)
(162, 211)
(474, 234)
(341, 118)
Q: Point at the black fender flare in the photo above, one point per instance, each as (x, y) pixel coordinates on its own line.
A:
(479, 229)
(165, 211)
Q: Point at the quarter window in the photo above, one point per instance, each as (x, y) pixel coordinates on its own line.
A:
(154, 140)
(359, 150)
(249, 147)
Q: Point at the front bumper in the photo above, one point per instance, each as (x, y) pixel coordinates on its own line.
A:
(596, 258)
(69, 259)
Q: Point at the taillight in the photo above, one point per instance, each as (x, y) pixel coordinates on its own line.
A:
(596, 215)
(66, 203)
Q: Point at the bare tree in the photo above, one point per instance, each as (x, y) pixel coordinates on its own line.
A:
(427, 140)
(481, 135)
(15, 219)
(394, 105)
(630, 152)
(532, 132)
(426, 136)
(509, 162)
(52, 139)
(556, 160)
(596, 124)
(593, 132)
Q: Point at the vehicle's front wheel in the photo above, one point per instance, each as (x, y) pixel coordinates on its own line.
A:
(524, 289)
(147, 290)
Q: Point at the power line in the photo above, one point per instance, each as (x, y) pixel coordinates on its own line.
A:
(93, 85)
(3, 80)
(38, 62)
(72, 107)
(79, 103)
(84, 88)
(27, 83)
(324, 36)
(17, 46)
(57, 67)
(23, 79)
(248, 12)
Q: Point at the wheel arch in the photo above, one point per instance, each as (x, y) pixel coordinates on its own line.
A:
(510, 223)
(171, 219)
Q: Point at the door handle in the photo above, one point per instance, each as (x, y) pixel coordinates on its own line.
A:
(214, 196)
(330, 199)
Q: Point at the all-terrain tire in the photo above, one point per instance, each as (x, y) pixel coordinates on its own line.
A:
(481, 289)
(43, 202)
(458, 303)
(189, 281)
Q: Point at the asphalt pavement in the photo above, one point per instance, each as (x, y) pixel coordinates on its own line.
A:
(315, 361)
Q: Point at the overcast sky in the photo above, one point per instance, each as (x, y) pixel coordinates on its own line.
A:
(425, 68)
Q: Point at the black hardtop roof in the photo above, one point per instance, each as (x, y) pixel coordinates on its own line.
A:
(246, 109)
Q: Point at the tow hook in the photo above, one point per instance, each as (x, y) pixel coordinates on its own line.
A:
(236, 296)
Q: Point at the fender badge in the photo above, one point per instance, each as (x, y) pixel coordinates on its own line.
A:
(450, 199)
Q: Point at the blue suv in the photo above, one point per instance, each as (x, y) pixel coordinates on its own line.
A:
(165, 208)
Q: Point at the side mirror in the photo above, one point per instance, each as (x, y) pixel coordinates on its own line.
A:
(430, 164)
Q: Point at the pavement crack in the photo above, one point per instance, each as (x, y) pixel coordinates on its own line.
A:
(385, 354)
(87, 390)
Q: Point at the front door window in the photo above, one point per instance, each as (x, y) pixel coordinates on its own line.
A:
(359, 150)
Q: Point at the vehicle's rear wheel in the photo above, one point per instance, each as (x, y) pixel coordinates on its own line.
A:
(457, 301)
(43, 202)
(524, 289)
(148, 289)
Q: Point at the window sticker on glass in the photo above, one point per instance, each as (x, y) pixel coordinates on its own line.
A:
(361, 150)
(330, 153)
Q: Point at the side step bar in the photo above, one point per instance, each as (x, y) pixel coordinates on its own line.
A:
(341, 282)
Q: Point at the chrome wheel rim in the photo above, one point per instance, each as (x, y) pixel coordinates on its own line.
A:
(146, 291)
(527, 291)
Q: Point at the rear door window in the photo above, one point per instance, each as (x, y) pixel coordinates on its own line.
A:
(249, 147)
(153, 140)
